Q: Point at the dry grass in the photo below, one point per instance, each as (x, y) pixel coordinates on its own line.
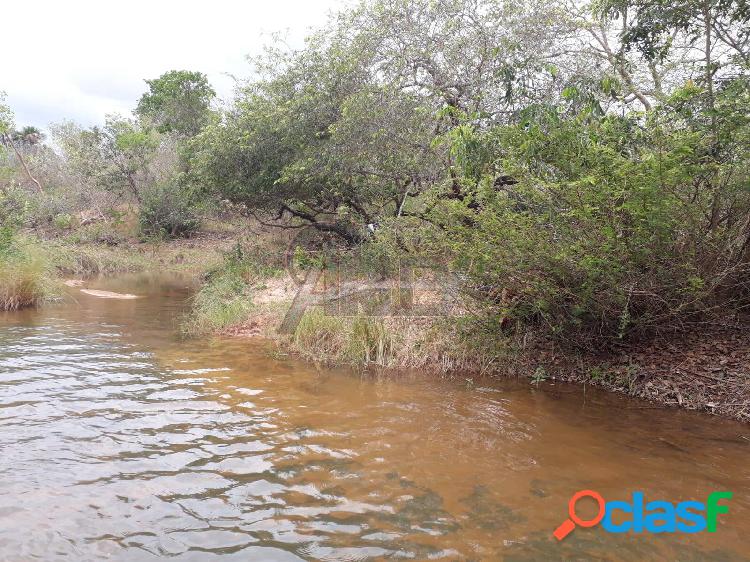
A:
(188, 256)
(25, 276)
(398, 343)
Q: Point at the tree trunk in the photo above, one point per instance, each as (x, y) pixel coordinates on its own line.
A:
(709, 71)
(23, 162)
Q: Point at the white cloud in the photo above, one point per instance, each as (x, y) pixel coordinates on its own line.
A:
(82, 59)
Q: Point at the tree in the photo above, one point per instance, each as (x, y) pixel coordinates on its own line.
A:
(718, 29)
(28, 136)
(317, 141)
(615, 226)
(342, 134)
(115, 157)
(654, 24)
(6, 116)
(7, 138)
(179, 101)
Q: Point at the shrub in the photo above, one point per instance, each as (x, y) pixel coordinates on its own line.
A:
(63, 222)
(167, 210)
(14, 207)
(49, 209)
(613, 227)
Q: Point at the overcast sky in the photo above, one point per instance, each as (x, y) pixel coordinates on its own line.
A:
(82, 59)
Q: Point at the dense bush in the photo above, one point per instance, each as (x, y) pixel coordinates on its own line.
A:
(583, 176)
(168, 210)
(613, 227)
(582, 167)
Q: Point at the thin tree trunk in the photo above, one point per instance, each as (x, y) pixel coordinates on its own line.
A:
(709, 78)
(134, 188)
(619, 66)
(709, 72)
(23, 163)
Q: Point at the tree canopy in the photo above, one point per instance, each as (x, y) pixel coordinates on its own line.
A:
(6, 115)
(582, 167)
(178, 101)
(560, 157)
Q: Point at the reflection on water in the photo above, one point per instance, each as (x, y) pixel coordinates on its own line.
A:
(119, 441)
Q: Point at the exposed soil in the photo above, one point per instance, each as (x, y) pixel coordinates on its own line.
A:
(707, 369)
(270, 303)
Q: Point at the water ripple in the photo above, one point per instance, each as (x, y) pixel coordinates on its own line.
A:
(121, 442)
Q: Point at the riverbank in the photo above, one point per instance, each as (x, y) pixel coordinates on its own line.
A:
(34, 263)
(26, 277)
(246, 292)
(106, 250)
(707, 369)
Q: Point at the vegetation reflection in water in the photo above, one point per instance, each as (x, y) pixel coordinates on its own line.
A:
(122, 440)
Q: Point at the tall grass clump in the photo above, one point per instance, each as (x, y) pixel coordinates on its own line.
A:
(25, 275)
(359, 341)
(428, 344)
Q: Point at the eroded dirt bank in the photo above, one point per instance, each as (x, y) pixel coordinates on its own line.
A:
(706, 370)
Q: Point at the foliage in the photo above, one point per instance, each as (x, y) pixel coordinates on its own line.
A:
(179, 101)
(63, 221)
(115, 157)
(340, 135)
(142, 160)
(167, 210)
(14, 207)
(655, 23)
(27, 136)
(581, 167)
(587, 179)
(617, 226)
(6, 115)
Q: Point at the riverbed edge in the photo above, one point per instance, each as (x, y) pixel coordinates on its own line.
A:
(706, 370)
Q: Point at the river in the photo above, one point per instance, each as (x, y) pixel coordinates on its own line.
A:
(120, 441)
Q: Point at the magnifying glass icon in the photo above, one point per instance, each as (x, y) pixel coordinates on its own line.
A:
(569, 524)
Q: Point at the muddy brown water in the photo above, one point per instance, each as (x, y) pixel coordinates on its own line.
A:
(120, 441)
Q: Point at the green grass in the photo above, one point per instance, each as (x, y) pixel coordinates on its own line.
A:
(223, 301)
(226, 297)
(359, 341)
(26, 277)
